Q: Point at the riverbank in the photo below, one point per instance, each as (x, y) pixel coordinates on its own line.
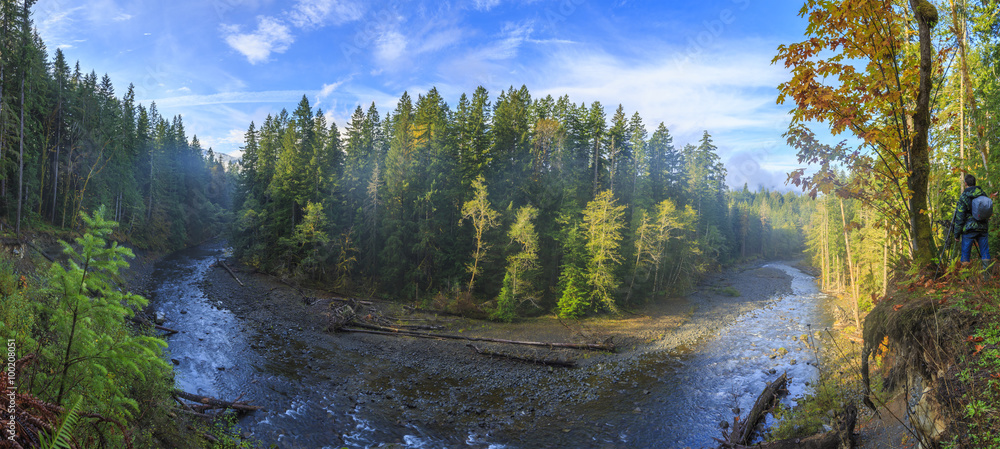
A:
(436, 389)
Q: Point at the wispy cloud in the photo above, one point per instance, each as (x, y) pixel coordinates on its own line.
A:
(55, 23)
(390, 46)
(271, 36)
(329, 88)
(512, 36)
(274, 96)
(485, 5)
(439, 40)
(314, 13)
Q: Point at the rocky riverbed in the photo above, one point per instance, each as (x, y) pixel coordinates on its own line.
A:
(270, 343)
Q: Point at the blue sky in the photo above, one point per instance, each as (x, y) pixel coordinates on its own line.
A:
(693, 65)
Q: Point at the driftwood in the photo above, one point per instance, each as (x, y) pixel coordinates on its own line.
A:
(537, 361)
(230, 270)
(421, 327)
(744, 431)
(403, 327)
(168, 330)
(311, 300)
(609, 347)
(208, 403)
(841, 437)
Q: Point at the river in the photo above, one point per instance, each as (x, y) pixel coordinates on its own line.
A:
(664, 399)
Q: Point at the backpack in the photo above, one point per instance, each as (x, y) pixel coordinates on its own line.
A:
(982, 208)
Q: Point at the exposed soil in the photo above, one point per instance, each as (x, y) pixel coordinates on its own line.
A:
(446, 387)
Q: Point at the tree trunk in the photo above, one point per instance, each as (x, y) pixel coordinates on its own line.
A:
(379, 330)
(841, 437)
(20, 161)
(921, 236)
(208, 402)
(20, 156)
(885, 261)
(745, 430)
(55, 169)
(850, 268)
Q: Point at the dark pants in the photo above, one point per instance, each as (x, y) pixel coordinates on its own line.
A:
(984, 245)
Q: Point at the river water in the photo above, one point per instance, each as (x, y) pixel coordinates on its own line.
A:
(667, 399)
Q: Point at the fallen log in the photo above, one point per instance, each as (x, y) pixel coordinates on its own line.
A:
(216, 403)
(744, 431)
(403, 327)
(534, 360)
(841, 437)
(609, 347)
(168, 330)
(230, 270)
(312, 300)
(421, 327)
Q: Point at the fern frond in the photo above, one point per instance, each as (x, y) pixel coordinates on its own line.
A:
(62, 435)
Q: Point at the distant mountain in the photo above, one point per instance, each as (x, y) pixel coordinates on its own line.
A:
(226, 159)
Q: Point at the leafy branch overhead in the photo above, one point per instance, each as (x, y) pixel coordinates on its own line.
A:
(860, 72)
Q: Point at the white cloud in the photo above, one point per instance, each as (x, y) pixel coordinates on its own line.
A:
(513, 35)
(720, 92)
(329, 88)
(390, 46)
(274, 33)
(271, 36)
(122, 17)
(314, 13)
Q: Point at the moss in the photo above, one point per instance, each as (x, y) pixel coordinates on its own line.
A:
(927, 12)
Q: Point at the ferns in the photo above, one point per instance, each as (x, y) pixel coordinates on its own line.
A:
(63, 434)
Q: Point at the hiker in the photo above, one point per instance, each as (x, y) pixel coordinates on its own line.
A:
(966, 226)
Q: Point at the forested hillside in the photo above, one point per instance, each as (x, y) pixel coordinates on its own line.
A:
(521, 203)
(69, 144)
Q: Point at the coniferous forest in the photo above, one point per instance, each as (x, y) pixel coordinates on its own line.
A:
(69, 143)
(510, 204)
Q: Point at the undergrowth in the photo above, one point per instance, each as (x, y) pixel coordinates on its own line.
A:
(945, 328)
